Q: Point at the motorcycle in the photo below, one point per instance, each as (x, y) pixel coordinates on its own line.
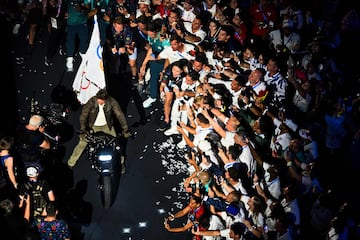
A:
(104, 154)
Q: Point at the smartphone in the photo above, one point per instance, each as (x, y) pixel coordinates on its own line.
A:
(196, 226)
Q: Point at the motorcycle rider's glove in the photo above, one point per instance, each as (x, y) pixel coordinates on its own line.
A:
(126, 133)
(83, 135)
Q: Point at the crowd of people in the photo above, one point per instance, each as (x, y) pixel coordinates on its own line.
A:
(262, 93)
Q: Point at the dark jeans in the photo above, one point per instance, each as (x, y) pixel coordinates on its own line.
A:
(102, 29)
(156, 66)
(79, 31)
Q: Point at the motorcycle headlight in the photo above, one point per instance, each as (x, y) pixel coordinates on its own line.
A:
(105, 157)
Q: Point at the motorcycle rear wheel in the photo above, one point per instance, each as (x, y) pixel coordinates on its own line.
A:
(106, 191)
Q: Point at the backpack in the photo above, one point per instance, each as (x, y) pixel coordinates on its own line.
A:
(36, 191)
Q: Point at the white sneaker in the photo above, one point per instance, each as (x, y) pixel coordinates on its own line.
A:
(82, 55)
(147, 103)
(181, 144)
(171, 131)
(69, 64)
(16, 28)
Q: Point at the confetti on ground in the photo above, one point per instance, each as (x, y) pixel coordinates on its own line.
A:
(161, 210)
(142, 224)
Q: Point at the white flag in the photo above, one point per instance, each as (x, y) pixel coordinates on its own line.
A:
(90, 77)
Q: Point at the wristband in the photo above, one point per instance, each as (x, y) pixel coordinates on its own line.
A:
(289, 164)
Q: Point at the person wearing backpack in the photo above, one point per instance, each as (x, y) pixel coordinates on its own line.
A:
(38, 190)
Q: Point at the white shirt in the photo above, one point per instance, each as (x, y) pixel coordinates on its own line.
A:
(247, 158)
(174, 56)
(201, 134)
(100, 119)
(302, 103)
(188, 15)
(228, 140)
(291, 41)
(215, 224)
(280, 84)
(199, 33)
(273, 186)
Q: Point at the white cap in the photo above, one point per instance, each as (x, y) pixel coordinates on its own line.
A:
(32, 171)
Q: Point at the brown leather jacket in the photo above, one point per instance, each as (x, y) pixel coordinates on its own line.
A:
(91, 109)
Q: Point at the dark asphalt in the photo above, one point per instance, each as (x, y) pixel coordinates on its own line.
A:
(147, 191)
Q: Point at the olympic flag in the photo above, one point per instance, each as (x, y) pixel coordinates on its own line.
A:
(90, 77)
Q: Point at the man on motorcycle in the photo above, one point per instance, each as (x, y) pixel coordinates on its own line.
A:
(96, 115)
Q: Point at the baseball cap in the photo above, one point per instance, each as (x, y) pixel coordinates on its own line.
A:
(147, 2)
(32, 171)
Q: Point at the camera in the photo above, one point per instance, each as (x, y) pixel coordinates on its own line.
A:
(196, 226)
(180, 26)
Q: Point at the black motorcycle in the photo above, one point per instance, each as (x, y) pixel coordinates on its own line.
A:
(105, 154)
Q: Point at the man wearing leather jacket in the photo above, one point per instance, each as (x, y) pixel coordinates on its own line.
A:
(97, 115)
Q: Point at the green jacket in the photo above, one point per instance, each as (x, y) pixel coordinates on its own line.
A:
(90, 111)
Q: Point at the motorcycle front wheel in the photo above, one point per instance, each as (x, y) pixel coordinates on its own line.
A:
(106, 191)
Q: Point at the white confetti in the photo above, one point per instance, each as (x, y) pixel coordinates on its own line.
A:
(161, 210)
(142, 224)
